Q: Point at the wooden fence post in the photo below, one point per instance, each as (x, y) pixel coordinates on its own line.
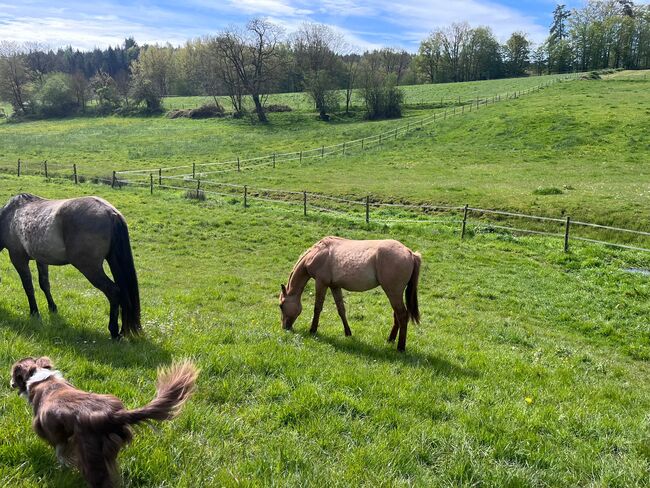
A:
(45, 167)
(273, 160)
(74, 171)
(151, 183)
(304, 203)
(379, 138)
(113, 180)
(367, 209)
(343, 148)
(159, 176)
(238, 164)
(245, 196)
(462, 232)
(193, 170)
(322, 151)
(18, 166)
(566, 234)
(300, 157)
(362, 143)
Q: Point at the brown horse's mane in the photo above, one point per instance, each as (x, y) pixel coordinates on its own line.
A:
(319, 245)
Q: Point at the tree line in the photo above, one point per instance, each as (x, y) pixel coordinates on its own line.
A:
(246, 63)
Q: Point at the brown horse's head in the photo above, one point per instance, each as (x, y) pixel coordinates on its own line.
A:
(290, 307)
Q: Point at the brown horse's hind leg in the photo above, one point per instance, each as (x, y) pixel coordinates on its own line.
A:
(340, 307)
(21, 263)
(321, 291)
(44, 282)
(401, 317)
(97, 277)
(393, 332)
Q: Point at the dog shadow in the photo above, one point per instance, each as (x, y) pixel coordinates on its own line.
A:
(55, 332)
(388, 353)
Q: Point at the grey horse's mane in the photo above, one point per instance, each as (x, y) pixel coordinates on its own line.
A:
(22, 197)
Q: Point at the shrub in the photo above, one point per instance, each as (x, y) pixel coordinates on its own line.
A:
(382, 97)
(56, 97)
(550, 190)
(278, 108)
(195, 195)
(206, 111)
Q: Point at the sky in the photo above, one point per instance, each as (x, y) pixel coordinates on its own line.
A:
(365, 24)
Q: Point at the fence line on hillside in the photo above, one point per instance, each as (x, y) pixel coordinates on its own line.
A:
(271, 160)
(366, 210)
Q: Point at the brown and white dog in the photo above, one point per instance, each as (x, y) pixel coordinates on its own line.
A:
(88, 430)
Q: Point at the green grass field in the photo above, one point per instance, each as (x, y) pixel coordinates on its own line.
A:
(586, 141)
(530, 366)
(504, 320)
(442, 93)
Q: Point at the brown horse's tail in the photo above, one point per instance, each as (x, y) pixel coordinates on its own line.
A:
(120, 260)
(174, 386)
(412, 290)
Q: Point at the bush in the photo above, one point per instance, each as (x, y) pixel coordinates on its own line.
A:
(56, 97)
(206, 111)
(195, 195)
(278, 108)
(550, 190)
(383, 101)
(203, 112)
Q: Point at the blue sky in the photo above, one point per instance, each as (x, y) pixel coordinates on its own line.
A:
(364, 23)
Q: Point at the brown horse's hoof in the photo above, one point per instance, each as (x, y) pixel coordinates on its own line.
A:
(117, 338)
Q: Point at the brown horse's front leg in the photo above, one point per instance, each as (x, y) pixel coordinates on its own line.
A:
(21, 263)
(321, 290)
(340, 307)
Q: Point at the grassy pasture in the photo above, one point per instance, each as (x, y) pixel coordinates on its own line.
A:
(530, 367)
(578, 148)
(413, 94)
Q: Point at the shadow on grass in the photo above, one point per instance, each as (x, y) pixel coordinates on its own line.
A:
(388, 353)
(95, 345)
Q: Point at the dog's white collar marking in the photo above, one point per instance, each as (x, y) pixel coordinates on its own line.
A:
(41, 375)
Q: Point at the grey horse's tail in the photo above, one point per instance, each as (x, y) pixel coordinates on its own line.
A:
(120, 260)
(412, 290)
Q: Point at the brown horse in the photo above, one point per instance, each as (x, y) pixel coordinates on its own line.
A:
(82, 232)
(338, 263)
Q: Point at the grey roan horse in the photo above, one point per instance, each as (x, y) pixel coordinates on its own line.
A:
(82, 232)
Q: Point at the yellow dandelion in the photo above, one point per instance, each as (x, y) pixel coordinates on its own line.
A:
(529, 400)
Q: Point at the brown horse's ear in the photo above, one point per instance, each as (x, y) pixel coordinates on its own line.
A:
(284, 290)
(44, 362)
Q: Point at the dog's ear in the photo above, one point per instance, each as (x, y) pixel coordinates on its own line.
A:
(44, 362)
(21, 372)
(283, 290)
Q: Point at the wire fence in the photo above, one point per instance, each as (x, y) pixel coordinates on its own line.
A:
(463, 219)
(239, 164)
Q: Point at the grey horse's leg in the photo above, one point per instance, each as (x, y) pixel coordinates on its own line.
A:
(21, 263)
(97, 277)
(340, 307)
(44, 282)
(321, 290)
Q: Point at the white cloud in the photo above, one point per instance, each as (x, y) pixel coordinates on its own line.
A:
(365, 24)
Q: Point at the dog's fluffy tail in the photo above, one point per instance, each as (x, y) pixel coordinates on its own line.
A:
(174, 386)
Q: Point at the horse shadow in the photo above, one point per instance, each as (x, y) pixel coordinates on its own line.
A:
(55, 332)
(388, 353)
